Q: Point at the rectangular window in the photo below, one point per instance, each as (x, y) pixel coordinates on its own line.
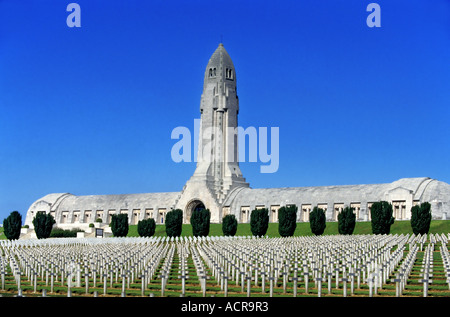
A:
(148, 213)
(369, 208)
(76, 216)
(111, 212)
(274, 213)
(87, 216)
(306, 210)
(245, 214)
(337, 210)
(399, 209)
(162, 215)
(98, 215)
(135, 215)
(64, 215)
(357, 207)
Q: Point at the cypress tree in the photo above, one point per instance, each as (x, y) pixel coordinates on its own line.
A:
(229, 225)
(43, 224)
(421, 218)
(146, 227)
(259, 221)
(174, 223)
(346, 221)
(119, 225)
(317, 221)
(200, 219)
(381, 213)
(287, 220)
(12, 225)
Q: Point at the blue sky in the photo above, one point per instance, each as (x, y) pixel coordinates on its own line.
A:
(90, 110)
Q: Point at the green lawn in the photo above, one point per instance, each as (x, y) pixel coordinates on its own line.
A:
(303, 229)
(399, 227)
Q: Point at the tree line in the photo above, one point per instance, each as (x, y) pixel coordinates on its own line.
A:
(381, 221)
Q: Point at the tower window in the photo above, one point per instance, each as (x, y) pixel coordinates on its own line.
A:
(212, 72)
(229, 73)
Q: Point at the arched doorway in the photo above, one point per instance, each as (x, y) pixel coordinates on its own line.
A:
(195, 204)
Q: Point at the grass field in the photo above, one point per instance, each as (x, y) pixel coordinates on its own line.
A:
(303, 229)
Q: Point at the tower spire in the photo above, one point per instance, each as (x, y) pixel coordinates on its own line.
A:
(217, 174)
(218, 142)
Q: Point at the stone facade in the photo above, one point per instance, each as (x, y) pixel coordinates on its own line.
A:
(218, 183)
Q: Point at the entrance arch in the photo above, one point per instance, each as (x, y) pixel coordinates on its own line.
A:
(194, 204)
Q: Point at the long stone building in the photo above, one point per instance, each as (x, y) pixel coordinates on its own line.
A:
(218, 183)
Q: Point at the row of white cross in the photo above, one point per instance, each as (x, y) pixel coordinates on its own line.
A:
(70, 261)
(338, 260)
(312, 257)
(446, 262)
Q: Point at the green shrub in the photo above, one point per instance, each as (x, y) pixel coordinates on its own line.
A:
(12, 225)
(174, 223)
(200, 220)
(91, 225)
(43, 224)
(64, 233)
(119, 225)
(346, 221)
(381, 213)
(421, 218)
(259, 221)
(317, 221)
(146, 227)
(229, 225)
(287, 220)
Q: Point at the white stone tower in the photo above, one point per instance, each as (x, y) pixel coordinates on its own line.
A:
(217, 171)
